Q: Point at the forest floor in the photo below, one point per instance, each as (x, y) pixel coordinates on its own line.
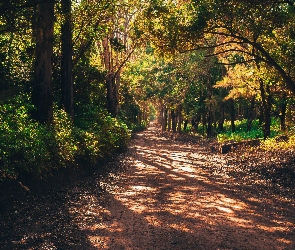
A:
(165, 192)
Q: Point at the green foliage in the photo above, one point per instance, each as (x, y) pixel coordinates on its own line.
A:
(25, 144)
(27, 147)
(99, 134)
(242, 134)
(280, 142)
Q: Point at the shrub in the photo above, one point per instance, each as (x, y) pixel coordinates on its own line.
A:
(27, 147)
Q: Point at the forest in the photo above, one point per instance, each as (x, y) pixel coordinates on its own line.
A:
(147, 124)
(77, 77)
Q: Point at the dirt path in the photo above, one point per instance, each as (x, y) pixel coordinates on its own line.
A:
(165, 194)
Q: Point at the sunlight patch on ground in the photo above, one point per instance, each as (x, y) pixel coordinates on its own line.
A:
(224, 209)
(169, 190)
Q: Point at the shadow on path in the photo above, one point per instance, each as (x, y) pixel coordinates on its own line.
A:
(160, 195)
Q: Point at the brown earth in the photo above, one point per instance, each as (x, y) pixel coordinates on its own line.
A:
(165, 192)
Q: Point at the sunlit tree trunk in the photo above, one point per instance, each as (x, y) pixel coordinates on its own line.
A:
(42, 95)
(66, 59)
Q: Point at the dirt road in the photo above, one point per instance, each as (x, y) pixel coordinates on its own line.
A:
(164, 195)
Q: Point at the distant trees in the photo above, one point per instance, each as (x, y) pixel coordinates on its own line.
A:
(212, 60)
(256, 36)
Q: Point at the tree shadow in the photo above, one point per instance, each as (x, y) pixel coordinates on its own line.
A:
(160, 196)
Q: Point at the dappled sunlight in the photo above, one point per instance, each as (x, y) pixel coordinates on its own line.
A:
(168, 194)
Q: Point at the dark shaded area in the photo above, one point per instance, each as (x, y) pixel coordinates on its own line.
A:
(34, 213)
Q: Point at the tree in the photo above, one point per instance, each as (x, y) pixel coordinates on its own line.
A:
(229, 26)
(117, 48)
(66, 58)
(42, 95)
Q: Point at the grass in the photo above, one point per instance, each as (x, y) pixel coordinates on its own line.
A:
(241, 132)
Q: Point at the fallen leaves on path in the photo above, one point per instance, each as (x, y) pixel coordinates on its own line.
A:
(164, 193)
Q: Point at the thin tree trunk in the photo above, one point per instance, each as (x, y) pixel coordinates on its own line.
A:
(169, 120)
(250, 114)
(265, 97)
(164, 119)
(42, 95)
(209, 123)
(232, 115)
(282, 115)
(179, 118)
(185, 124)
(221, 117)
(173, 119)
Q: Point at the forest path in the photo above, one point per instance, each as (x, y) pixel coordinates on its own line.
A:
(164, 195)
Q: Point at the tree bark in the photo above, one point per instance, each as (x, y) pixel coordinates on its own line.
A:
(164, 119)
(221, 117)
(169, 120)
(112, 94)
(112, 80)
(250, 114)
(66, 59)
(282, 115)
(266, 105)
(173, 119)
(232, 115)
(42, 95)
(209, 123)
(179, 118)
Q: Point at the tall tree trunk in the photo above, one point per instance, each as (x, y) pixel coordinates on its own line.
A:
(179, 118)
(232, 115)
(195, 122)
(266, 104)
(173, 119)
(169, 120)
(250, 114)
(221, 117)
(66, 59)
(112, 94)
(164, 118)
(283, 110)
(112, 80)
(139, 117)
(209, 123)
(42, 95)
(185, 124)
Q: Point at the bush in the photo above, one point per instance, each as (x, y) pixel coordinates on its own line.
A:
(27, 147)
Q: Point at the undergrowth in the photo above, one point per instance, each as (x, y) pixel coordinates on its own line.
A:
(241, 132)
(278, 140)
(28, 147)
